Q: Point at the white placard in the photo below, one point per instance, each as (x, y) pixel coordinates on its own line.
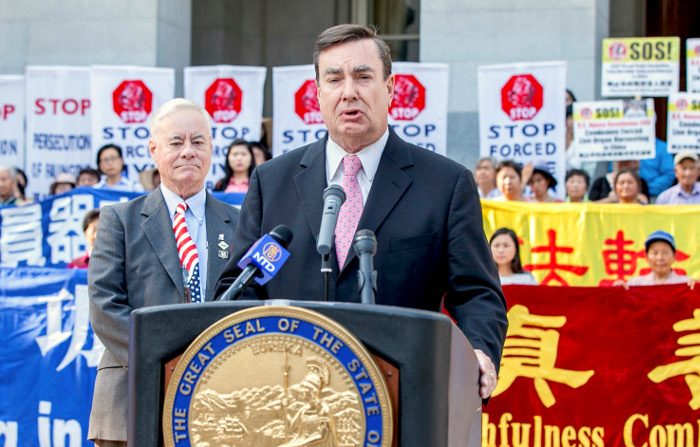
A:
(640, 66)
(12, 120)
(615, 130)
(123, 99)
(692, 65)
(295, 108)
(58, 136)
(418, 110)
(683, 122)
(233, 96)
(521, 114)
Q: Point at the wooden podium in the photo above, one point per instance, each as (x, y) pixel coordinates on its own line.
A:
(429, 366)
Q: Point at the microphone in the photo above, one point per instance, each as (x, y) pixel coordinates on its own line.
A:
(333, 198)
(365, 245)
(262, 261)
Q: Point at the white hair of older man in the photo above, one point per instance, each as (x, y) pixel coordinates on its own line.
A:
(176, 105)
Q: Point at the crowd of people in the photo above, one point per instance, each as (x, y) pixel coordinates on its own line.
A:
(241, 158)
(510, 180)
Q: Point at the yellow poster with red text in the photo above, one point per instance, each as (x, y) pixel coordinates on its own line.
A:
(569, 244)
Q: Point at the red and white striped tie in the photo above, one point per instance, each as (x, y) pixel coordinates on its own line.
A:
(187, 251)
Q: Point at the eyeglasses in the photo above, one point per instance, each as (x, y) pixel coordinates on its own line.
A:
(110, 159)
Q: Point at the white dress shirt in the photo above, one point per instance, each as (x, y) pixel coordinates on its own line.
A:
(369, 157)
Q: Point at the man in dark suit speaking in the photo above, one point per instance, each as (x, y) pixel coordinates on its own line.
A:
(423, 207)
(168, 247)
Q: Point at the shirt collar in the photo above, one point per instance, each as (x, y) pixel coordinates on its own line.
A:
(694, 192)
(369, 156)
(194, 203)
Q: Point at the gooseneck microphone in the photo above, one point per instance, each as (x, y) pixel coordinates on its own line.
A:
(365, 246)
(333, 198)
(261, 262)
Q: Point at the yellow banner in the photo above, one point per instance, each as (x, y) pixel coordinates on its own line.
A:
(642, 49)
(594, 244)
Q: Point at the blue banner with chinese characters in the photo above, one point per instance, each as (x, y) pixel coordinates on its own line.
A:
(49, 233)
(49, 357)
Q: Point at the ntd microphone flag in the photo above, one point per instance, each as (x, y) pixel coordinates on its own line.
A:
(266, 254)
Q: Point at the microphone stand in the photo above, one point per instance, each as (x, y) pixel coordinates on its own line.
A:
(326, 269)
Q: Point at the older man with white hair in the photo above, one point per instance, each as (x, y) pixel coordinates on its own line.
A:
(162, 248)
(8, 185)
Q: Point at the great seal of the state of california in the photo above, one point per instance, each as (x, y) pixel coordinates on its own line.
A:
(277, 376)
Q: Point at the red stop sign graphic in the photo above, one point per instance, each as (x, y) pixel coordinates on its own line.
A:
(521, 97)
(223, 99)
(409, 98)
(306, 103)
(132, 101)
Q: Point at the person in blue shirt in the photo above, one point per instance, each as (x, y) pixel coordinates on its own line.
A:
(658, 171)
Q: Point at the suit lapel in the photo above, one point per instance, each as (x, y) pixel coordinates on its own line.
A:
(218, 223)
(390, 183)
(310, 183)
(157, 226)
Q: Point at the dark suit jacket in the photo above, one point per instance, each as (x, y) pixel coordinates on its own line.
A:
(135, 264)
(425, 212)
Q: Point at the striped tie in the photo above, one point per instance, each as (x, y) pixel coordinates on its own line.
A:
(187, 251)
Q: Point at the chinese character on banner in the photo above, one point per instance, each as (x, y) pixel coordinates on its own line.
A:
(530, 351)
(690, 368)
(66, 227)
(553, 265)
(619, 260)
(22, 236)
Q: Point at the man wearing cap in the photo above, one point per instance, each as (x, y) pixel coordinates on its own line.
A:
(661, 254)
(687, 191)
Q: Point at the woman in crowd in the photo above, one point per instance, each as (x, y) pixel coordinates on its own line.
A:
(261, 152)
(62, 183)
(88, 177)
(485, 177)
(660, 254)
(577, 181)
(90, 223)
(8, 186)
(509, 180)
(627, 189)
(110, 163)
(604, 186)
(540, 183)
(240, 162)
(505, 250)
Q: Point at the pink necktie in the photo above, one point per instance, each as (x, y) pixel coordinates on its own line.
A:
(187, 251)
(351, 211)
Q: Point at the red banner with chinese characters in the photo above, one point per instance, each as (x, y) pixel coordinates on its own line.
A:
(594, 367)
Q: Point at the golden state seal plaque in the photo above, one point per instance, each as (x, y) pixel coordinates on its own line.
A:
(277, 376)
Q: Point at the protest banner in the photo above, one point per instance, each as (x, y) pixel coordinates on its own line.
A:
(521, 115)
(233, 96)
(58, 124)
(597, 367)
(615, 130)
(295, 108)
(572, 244)
(418, 110)
(692, 65)
(50, 356)
(640, 66)
(49, 233)
(683, 122)
(12, 120)
(123, 99)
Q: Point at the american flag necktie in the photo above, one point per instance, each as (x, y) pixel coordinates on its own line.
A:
(351, 211)
(187, 251)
